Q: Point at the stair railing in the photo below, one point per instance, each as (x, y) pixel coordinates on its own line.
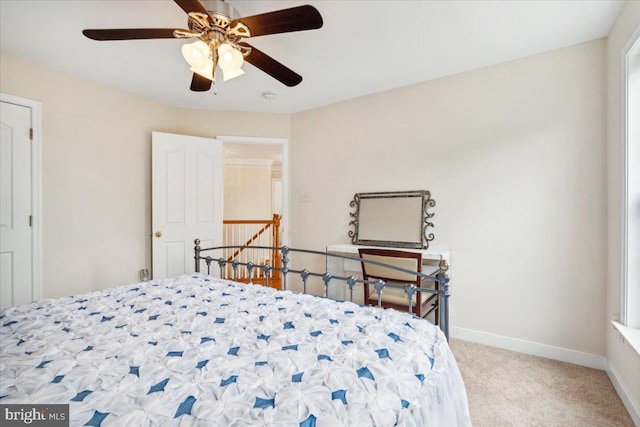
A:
(248, 234)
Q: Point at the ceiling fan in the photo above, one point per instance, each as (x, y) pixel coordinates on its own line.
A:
(219, 32)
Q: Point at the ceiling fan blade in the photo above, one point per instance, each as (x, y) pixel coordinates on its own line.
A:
(272, 67)
(191, 6)
(282, 21)
(129, 34)
(199, 83)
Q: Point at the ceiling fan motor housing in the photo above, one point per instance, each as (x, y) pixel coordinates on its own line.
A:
(219, 7)
(215, 28)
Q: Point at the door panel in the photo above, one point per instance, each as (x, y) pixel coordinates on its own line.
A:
(6, 274)
(16, 284)
(186, 200)
(175, 258)
(174, 185)
(205, 197)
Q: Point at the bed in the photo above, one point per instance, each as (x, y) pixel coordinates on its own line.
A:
(199, 350)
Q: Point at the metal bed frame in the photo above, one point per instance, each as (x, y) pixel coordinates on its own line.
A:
(440, 276)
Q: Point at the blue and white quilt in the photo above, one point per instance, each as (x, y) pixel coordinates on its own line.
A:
(196, 350)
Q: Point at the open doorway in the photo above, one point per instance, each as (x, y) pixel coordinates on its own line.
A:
(252, 181)
(276, 149)
(255, 201)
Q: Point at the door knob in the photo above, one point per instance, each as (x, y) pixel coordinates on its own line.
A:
(158, 233)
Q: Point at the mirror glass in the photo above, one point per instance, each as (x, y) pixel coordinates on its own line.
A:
(394, 219)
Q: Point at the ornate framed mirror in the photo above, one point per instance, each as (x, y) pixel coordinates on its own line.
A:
(394, 219)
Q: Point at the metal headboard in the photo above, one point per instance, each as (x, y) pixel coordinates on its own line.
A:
(440, 276)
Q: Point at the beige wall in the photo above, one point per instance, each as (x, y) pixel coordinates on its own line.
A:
(513, 154)
(623, 360)
(247, 191)
(96, 171)
(232, 123)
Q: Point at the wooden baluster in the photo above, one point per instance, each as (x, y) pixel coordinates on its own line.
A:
(277, 255)
(236, 233)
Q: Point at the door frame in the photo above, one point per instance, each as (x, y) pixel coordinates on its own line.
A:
(284, 145)
(36, 189)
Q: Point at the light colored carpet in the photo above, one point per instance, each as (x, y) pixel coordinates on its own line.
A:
(506, 388)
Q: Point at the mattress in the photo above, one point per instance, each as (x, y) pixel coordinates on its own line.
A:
(196, 350)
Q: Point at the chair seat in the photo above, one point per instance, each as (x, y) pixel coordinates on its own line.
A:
(398, 296)
(392, 295)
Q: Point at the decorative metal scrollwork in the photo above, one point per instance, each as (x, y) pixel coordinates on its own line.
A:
(427, 203)
(355, 203)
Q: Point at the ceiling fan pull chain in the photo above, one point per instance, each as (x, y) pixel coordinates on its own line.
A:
(214, 54)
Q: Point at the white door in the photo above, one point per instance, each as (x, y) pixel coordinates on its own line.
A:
(16, 282)
(187, 197)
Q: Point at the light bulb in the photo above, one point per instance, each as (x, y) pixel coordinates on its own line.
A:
(230, 59)
(227, 56)
(196, 54)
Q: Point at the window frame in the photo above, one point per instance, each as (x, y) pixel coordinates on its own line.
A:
(629, 321)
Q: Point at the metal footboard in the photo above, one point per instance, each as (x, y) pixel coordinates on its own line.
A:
(440, 276)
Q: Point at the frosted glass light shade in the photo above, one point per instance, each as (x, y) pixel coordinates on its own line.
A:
(229, 59)
(228, 75)
(206, 70)
(196, 54)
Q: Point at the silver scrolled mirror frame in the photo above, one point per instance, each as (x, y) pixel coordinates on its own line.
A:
(390, 204)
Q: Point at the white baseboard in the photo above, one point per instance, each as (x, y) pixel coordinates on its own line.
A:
(634, 411)
(528, 347)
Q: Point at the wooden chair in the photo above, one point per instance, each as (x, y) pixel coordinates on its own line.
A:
(423, 303)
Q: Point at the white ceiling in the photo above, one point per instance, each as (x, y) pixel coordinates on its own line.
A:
(364, 46)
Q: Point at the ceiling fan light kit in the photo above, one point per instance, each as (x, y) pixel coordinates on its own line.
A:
(219, 32)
